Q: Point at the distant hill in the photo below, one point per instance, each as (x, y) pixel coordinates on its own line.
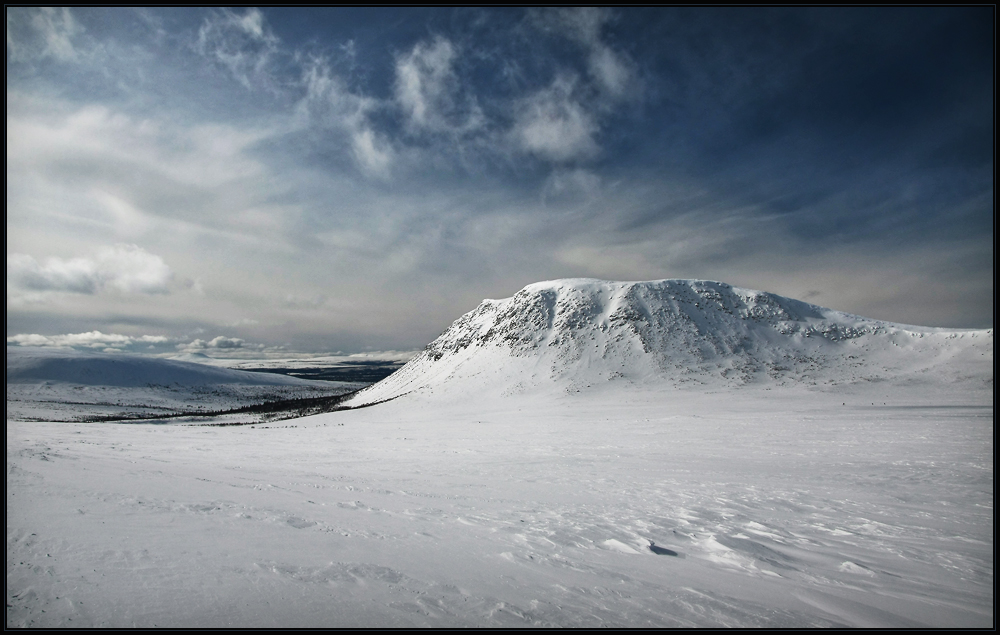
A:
(28, 365)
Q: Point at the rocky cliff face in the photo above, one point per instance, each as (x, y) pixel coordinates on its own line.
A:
(582, 332)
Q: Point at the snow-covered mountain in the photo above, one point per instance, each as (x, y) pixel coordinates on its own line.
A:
(584, 334)
(33, 365)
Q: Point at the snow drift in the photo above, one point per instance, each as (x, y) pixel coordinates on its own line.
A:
(580, 334)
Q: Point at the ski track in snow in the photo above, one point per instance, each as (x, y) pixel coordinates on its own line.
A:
(670, 454)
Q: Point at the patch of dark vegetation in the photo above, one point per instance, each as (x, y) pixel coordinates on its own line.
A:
(230, 423)
(361, 371)
(277, 410)
(271, 410)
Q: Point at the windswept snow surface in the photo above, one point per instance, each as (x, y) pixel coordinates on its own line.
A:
(839, 492)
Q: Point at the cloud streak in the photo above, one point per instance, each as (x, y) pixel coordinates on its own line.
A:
(429, 91)
(328, 103)
(613, 71)
(45, 32)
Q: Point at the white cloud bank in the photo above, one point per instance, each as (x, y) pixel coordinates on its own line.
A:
(121, 268)
(93, 339)
(156, 344)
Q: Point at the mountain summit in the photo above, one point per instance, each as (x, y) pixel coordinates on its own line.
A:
(577, 334)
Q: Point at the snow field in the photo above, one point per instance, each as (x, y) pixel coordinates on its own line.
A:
(533, 511)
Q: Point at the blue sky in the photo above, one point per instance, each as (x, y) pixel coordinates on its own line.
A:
(279, 181)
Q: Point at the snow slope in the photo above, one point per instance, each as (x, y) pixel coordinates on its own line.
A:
(584, 334)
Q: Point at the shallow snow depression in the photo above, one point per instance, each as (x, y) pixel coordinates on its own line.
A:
(677, 453)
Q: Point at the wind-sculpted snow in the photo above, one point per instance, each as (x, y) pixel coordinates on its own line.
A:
(582, 332)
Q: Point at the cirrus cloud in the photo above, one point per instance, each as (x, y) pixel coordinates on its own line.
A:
(429, 90)
(244, 44)
(37, 33)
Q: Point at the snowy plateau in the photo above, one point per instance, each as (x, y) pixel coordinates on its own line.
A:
(677, 453)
